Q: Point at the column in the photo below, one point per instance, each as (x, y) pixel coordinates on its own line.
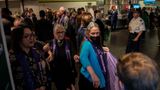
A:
(106, 6)
(6, 3)
(22, 5)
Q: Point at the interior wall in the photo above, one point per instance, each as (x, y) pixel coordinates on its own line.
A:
(2, 4)
(32, 4)
(14, 6)
(56, 5)
(42, 6)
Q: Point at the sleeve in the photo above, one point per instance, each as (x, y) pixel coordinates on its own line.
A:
(16, 70)
(130, 23)
(142, 25)
(84, 54)
(73, 67)
(13, 62)
(72, 48)
(72, 53)
(44, 70)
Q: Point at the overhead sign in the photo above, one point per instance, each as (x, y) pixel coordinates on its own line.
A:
(136, 6)
(149, 1)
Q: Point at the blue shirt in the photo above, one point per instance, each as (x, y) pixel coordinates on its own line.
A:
(88, 57)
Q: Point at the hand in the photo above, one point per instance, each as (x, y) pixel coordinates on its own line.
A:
(41, 88)
(46, 47)
(76, 58)
(135, 39)
(95, 80)
(50, 57)
(106, 49)
(72, 87)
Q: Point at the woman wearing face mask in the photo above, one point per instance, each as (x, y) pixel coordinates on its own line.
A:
(28, 68)
(94, 73)
(61, 59)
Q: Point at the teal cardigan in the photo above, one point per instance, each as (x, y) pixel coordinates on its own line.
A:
(88, 57)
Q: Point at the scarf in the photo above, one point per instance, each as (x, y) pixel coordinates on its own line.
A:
(102, 59)
(67, 50)
(108, 65)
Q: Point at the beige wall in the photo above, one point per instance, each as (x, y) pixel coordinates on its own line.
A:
(15, 5)
(39, 6)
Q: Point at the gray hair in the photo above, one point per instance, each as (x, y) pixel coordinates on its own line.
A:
(91, 25)
(58, 26)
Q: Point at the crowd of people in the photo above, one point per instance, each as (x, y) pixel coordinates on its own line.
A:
(45, 51)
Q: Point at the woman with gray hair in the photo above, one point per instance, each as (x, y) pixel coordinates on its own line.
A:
(61, 59)
(94, 73)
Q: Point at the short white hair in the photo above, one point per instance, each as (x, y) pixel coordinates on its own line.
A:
(62, 8)
(58, 26)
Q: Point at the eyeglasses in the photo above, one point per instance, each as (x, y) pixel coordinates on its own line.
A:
(60, 32)
(29, 35)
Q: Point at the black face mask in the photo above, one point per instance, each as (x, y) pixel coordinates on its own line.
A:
(95, 40)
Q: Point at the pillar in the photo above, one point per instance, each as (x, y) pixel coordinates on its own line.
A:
(6, 3)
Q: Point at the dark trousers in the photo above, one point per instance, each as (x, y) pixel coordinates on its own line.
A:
(60, 85)
(133, 46)
(113, 25)
(85, 84)
(143, 35)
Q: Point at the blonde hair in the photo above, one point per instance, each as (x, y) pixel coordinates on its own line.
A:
(90, 26)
